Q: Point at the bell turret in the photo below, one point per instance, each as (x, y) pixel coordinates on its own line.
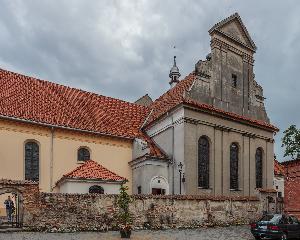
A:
(174, 74)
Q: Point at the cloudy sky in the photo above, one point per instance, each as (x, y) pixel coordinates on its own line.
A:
(124, 48)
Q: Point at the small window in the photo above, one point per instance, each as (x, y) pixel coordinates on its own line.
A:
(96, 189)
(234, 80)
(83, 154)
(279, 194)
(259, 166)
(234, 166)
(139, 189)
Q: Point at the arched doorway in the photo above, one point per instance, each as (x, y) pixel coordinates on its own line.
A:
(159, 186)
(15, 217)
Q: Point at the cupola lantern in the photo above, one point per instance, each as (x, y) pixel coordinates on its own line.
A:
(174, 74)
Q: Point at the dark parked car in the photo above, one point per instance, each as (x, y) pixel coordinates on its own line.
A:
(276, 226)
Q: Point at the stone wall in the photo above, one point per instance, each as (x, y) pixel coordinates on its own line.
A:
(88, 212)
(57, 212)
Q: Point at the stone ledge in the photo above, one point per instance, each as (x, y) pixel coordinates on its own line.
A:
(197, 197)
(17, 182)
(150, 196)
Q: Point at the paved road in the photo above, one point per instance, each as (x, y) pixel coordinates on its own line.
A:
(224, 233)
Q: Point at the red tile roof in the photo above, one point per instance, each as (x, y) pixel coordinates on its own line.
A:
(43, 102)
(92, 170)
(278, 168)
(170, 99)
(176, 96)
(27, 98)
(154, 149)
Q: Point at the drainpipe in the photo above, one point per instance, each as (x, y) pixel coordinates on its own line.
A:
(173, 159)
(51, 159)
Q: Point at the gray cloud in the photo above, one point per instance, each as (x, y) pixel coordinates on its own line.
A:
(124, 48)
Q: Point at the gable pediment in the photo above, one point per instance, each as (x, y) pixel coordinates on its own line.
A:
(233, 28)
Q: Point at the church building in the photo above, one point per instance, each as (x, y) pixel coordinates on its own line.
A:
(208, 134)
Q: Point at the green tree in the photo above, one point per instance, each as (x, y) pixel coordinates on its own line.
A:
(123, 202)
(291, 142)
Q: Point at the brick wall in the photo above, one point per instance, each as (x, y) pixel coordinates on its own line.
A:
(292, 187)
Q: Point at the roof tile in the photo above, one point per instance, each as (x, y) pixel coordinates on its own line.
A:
(92, 170)
(278, 168)
(44, 102)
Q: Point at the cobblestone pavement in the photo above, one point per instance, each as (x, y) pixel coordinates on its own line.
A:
(224, 233)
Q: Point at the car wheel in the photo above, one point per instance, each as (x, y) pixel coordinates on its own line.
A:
(284, 236)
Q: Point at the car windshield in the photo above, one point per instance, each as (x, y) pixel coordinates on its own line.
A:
(271, 218)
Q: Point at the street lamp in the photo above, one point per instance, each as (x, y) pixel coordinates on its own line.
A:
(181, 175)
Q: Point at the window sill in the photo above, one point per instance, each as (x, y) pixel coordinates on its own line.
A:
(80, 162)
(204, 188)
(236, 190)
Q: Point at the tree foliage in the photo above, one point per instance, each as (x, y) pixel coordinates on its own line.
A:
(291, 142)
(123, 203)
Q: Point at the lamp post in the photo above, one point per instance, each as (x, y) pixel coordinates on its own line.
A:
(181, 176)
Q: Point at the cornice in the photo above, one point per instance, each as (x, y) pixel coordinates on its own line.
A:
(224, 116)
(226, 128)
(218, 43)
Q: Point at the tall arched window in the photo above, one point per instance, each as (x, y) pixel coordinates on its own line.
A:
(96, 189)
(83, 154)
(32, 161)
(258, 167)
(234, 166)
(203, 162)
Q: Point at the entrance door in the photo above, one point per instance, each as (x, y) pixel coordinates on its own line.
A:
(15, 220)
(159, 186)
(158, 191)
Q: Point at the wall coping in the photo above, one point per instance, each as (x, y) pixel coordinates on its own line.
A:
(266, 190)
(197, 197)
(150, 196)
(6, 182)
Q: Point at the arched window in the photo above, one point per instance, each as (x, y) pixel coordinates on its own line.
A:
(32, 161)
(234, 166)
(203, 162)
(258, 167)
(96, 189)
(83, 154)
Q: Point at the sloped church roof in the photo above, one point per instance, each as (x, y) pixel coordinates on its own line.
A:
(38, 101)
